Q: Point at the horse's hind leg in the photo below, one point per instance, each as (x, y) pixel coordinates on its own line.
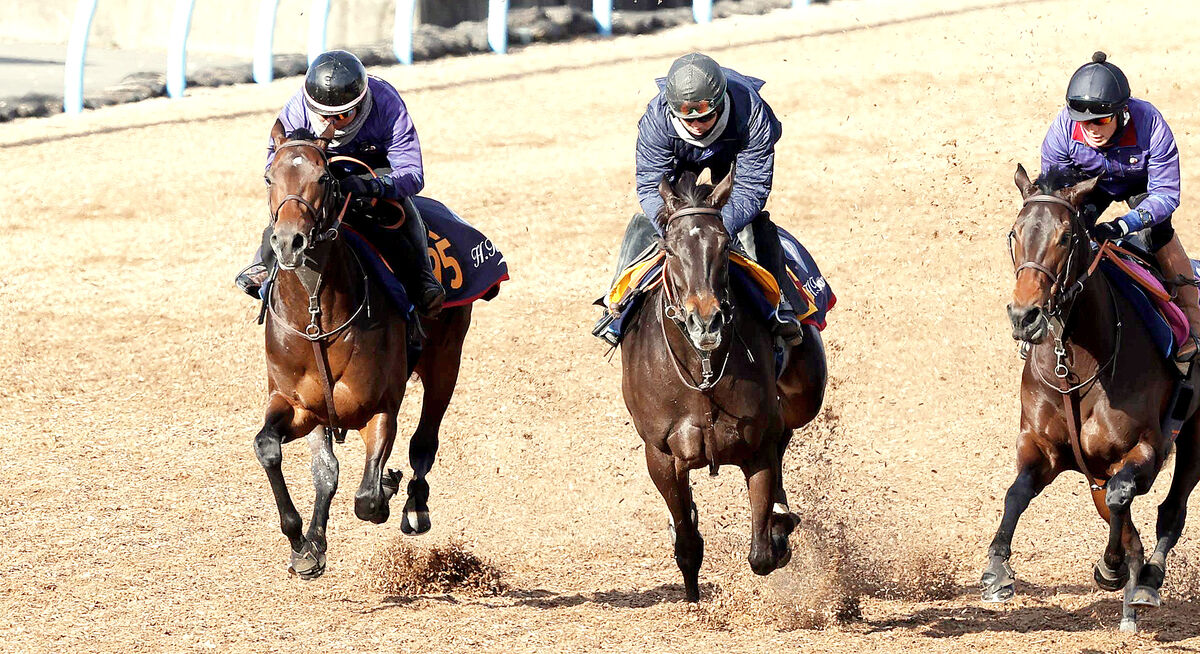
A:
(783, 520)
(802, 384)
(438, 369)
(1034, 473)
(672, 482)
(282, 424)
(309, 562)
(1171, 516)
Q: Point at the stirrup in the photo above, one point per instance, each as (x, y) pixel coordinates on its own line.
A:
(1185, 360)
(604, 332)
(251, 279)
(789, 330)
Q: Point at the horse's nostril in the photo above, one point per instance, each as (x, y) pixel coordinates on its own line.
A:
(298, 242)
(1031, 317)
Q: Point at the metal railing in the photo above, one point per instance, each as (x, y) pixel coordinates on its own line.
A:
(263, 67)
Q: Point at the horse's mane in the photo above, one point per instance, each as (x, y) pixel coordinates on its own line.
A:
(1058, 178)
(301, 134)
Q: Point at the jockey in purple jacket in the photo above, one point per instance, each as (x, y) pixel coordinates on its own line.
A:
(372, 125)
(1105, 133)
(706, 116)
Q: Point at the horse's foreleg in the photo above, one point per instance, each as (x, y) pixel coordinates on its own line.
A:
(371, 500)
(1121, 562)
(1171, 515)
(310, 562)
(761, 482)
(672, 483)
(283, 423)
(438, 369)
(1034, 473)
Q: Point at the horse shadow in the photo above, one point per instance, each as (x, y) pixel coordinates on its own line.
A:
(624, 599)
(1175, 620)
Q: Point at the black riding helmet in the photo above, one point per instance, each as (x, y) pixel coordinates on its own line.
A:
(336, 82)
(695, 86)
(1096, 90)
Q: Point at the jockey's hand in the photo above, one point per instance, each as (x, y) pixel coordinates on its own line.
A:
(362, 188)
(1110, 231)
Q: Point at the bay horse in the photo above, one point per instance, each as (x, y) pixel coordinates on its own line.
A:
(698, 378)
(337, 357)
(1077, 413)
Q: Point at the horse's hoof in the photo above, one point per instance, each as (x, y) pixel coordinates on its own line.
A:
(1129, 625)
(1108, 579)
(415, 523)
(1145, 597)
(784, 558)
(308, 563)
(997, 594)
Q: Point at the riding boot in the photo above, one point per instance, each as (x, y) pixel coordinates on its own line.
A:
(252, 277)
(1177, 267)
(423, 287)
(769, 254)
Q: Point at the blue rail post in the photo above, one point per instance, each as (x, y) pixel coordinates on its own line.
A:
(498, 25)
(702, 11)
(402, 32)
(318, 28)
(602, 10)
(81, 26)
(181, 24)
(264, 42)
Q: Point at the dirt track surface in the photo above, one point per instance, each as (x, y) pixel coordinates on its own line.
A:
(134, 516)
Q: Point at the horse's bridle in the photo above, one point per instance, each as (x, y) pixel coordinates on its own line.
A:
(668, 308)
(319, 217)
(1058, 295)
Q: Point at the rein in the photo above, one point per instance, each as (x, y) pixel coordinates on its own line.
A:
(668, 308)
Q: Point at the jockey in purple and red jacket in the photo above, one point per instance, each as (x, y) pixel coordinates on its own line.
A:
(371, 124)
(1105, 133)
(706, 116)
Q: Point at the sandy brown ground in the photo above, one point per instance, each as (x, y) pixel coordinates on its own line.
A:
(134, 516)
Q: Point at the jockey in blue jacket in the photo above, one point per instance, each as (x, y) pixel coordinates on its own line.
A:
(371, 124)
(706, 116)
(1105, 133)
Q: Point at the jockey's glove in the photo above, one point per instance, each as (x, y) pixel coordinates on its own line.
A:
(362, 188)
(1111, 230)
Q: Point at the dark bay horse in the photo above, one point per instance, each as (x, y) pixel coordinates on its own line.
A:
(698, 377)
(1093, 394)
(333, 335)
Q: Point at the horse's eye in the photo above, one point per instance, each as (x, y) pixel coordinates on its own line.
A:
(1065, 239)
(267, 180)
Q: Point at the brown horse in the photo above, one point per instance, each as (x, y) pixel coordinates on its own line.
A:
(698, 376)
(331, 334)
(1077, 413)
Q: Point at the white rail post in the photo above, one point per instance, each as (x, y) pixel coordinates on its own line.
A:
(498, 25)
(264, 42)
(318, 28)
(602, 11)
(81, 26)
(702, 11)
(181, 24)
(402, 32)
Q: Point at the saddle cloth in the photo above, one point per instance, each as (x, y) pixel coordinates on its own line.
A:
(750, 280)
(464, 260)
(1164, 320)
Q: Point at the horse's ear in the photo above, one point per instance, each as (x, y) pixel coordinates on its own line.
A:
(720, 194)
(277, 135)
(326, 136)
(1077, 193)
(1026, 187)
(704, 178)
(670, 202)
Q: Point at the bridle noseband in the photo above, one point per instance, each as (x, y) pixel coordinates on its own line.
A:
(1058, 296)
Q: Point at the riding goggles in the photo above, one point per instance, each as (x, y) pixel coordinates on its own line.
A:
(1103, 120)
(692, 109)
(1093, 107)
